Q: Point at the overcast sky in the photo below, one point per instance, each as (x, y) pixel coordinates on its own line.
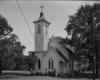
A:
(56, 12)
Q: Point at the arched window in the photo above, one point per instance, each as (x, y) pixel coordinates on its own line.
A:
(39, 29)
(50, 64)
(39, 64)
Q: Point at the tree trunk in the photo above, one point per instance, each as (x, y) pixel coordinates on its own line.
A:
(97, 51)
(97, 69)
(0, 71)
(1, 54)
(0, 66)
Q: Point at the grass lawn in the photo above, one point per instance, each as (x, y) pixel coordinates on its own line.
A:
(25, 75)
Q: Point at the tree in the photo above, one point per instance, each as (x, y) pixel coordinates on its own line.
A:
(79, 27)
(11, 50)
(13, 53)
(30, 61)
(5, 30)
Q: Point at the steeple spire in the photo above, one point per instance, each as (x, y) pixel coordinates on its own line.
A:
(41, 17)
(41, 8)
(41, 13)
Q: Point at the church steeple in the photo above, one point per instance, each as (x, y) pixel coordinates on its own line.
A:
(41, 32)
(42, 18)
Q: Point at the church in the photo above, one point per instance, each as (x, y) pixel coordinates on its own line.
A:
(52, 55)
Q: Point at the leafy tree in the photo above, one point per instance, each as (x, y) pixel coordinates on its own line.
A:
(11, 50)
(80, 27)
(5, 30)
(30, 61)
(13, 53)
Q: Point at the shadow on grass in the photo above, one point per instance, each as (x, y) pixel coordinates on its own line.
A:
(11, 75)
(79, 76)
(8, 75)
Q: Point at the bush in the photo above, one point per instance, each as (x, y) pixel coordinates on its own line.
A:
(52, 73)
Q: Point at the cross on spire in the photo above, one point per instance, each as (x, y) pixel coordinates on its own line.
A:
(41, 8)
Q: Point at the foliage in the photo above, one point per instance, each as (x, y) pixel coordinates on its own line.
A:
(80, 29)
(12, 53)
(5, 28)
(30, 61)
(82, 26)
(11, 50)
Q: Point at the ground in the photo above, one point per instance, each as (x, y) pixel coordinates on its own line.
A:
(21, 75)
(42, 78)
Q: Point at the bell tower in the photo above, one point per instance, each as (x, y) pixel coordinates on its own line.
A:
(41, 32)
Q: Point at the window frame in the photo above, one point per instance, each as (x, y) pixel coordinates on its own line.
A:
(50, 63)
(39, 64)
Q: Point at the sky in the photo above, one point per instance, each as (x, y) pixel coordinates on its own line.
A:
(56, 12)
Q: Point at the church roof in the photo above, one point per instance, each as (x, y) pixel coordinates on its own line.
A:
(65, 51)
(41, 18)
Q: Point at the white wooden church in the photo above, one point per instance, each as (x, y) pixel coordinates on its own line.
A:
(52, 56)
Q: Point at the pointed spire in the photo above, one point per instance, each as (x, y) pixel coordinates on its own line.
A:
(41, 8)
(41, 13)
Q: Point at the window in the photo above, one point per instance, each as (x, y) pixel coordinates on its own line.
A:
(39, 29)
(50, 64)
(39, 64)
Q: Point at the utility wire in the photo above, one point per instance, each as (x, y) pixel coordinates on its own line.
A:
(24, 18)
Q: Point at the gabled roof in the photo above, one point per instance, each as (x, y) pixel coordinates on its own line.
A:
(65, 51)
(62, 55)
(72, 52)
